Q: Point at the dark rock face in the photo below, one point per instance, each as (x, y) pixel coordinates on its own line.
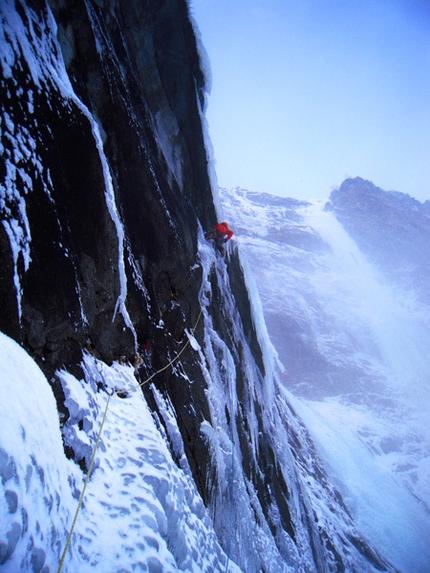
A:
(89, 207)
(152, 79)
(392, 228)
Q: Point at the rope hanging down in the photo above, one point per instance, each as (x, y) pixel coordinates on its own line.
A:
(81, 498)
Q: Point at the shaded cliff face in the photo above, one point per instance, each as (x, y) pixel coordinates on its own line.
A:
(74, 248)
(104, 185)
(104, 191)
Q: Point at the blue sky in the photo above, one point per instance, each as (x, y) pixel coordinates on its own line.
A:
(308, 92)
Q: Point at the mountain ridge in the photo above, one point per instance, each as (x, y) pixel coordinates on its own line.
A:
(400, 246)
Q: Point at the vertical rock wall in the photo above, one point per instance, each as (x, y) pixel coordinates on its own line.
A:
(127, 132)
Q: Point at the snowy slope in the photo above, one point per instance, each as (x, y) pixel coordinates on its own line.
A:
(355, 352)
(141, 511)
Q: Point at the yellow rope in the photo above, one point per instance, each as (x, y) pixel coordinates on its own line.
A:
(69, 538)
(81, 498)
(167, 365)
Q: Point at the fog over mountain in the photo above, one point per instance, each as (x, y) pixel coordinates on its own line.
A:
(146, 422)
(344, 289)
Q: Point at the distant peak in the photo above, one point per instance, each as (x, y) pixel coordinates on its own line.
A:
(359, 188)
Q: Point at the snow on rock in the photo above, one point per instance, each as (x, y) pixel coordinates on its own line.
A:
(39, 485)
(138, 493)
(35, 86)
(140, 510)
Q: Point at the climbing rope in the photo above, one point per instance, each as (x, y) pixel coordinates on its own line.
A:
(87, 479)
(81, 498)
(167, 365)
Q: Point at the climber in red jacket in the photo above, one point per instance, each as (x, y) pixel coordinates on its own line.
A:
(220, 233)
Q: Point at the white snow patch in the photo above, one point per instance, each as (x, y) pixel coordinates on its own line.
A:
(140, 510)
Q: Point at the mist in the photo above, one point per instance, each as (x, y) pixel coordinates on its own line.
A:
(352, 340)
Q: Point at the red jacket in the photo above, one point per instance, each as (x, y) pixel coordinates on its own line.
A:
(224, 230)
